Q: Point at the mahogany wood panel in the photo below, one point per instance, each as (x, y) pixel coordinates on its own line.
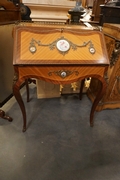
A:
(10, 12)
(111, 98)
(10, 5)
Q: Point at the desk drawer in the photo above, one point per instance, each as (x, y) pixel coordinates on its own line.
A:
(59, 74)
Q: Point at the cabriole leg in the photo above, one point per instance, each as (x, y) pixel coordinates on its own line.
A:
(16, 92)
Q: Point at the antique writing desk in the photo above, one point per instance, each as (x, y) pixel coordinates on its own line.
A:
(59, 54)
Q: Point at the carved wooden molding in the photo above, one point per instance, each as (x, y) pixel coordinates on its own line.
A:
(115, 54)
(49, 10)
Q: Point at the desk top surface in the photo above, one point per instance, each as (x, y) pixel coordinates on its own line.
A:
(58, 45)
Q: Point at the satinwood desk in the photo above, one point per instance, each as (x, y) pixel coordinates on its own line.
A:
(60, 54)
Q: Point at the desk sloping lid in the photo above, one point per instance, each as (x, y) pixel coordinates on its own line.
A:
(39, 45)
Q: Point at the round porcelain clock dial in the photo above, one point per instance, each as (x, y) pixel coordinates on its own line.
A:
(32, 49)
(63, 45)
(92, 50)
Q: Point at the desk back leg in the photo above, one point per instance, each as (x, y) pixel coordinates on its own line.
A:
(81, 88)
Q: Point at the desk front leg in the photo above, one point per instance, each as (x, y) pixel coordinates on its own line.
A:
(18, 97)
(97, 99)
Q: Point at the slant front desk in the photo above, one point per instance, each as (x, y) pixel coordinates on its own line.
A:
(60, 54)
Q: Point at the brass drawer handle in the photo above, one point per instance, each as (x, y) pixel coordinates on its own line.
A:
(63, 73)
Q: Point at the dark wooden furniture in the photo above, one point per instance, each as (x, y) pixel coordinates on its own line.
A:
(111, 98)
(38, 54)
(110, 14)
(9, 11)
(9, 14)
(96, 10)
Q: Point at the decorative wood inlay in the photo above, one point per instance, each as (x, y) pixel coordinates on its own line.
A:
(63, 73)
(53, 44)
(47, 34)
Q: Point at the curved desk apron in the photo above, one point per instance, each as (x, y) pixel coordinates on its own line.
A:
(60, 54)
